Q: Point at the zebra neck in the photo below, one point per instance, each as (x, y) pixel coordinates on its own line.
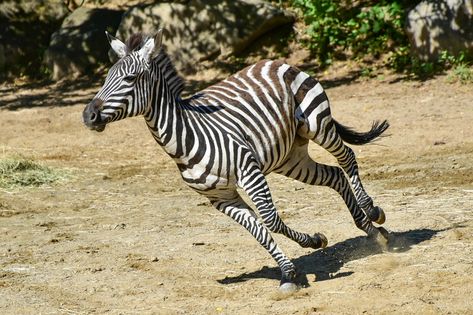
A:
(169, 73)
(165, 117)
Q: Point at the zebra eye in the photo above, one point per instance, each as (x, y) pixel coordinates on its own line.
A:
(129, 78)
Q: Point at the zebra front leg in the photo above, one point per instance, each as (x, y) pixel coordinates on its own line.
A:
(239, 211)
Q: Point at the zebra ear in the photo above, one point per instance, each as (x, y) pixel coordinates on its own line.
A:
(152, 46)
(117, 45)
(158, 40)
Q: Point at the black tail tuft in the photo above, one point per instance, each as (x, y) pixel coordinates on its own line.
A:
(354, 137)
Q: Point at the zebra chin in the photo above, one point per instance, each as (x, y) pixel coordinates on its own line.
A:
(95, 124)
(98, 128)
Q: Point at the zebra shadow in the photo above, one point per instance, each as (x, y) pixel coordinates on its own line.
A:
(325, 264)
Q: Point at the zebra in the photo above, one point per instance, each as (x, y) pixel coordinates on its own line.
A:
(233, 133)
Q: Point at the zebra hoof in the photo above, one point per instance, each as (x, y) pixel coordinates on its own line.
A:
(322, 240)
(318, 240)
(381, 216)
(288, 287)
(376, 214)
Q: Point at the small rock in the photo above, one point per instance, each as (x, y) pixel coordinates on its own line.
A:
(98, 269)
(120, 226)
(288, 288)
(311, 278)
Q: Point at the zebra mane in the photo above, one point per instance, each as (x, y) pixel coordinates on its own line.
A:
(135, 42)
(175, 82)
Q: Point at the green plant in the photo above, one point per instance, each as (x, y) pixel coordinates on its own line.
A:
(459, 66)
(336, 27)
(461, 72)
(322, 19)
(376, 29)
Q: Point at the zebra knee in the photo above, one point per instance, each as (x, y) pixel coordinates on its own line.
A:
(272, 221)
(274, 227)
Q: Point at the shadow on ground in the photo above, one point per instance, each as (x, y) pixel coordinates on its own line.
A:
(46, 93)
(326, 263)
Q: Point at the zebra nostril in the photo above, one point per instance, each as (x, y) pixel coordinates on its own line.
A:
(93, 117)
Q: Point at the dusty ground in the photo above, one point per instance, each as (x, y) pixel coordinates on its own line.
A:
(123, 235)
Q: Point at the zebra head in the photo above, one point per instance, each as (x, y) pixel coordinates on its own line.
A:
(127, 89)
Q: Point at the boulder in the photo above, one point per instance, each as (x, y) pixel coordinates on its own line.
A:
(435, 26)
(80, 45)
(197, 30)
(26, 27)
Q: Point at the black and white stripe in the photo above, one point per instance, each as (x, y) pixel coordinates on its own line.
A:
(233, 133)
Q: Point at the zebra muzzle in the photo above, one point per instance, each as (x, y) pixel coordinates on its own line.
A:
(92, 117)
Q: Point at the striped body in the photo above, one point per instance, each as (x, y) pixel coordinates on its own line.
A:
(231, 134)
(258, 110)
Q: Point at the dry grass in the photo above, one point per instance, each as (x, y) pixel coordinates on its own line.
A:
(21, 171)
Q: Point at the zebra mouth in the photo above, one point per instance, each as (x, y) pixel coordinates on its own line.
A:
(98, 128)
(93, 117)
(99, 125)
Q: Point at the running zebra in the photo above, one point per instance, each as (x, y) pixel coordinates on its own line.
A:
(233, 133)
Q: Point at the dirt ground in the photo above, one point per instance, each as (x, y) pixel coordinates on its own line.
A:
(124, 235)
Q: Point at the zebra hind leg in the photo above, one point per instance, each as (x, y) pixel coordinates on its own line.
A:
(348, 162)
(329, 139)
(239, 211)
(316, 124)
(301, 167)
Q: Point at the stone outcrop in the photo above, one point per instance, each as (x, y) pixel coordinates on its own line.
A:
(197, 30)
(435, 26)
(25, 29)
(80, 45)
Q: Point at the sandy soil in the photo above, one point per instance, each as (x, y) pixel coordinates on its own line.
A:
(124, 235)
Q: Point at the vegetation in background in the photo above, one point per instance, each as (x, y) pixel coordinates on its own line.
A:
(19, 171)
(460, 67)
(370, 30)
(462, 73)
(364, 30)
(335, 28)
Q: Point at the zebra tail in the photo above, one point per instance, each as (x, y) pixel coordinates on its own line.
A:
(358, 138)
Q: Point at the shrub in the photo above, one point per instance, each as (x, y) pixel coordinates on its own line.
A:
(335, 28)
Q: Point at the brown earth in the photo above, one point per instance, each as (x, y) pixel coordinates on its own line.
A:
(124, 235)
